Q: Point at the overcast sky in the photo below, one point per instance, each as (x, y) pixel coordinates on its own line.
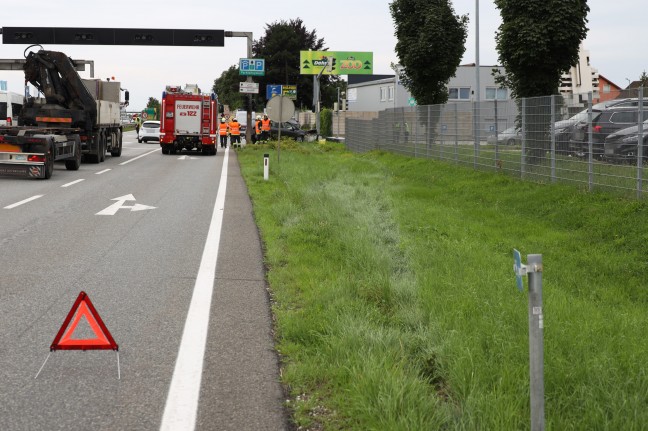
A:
(614, 40)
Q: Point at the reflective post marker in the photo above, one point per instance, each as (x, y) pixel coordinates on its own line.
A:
(533, 269)
(266, 166)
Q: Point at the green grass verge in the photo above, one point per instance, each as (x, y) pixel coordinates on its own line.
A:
(395, 299)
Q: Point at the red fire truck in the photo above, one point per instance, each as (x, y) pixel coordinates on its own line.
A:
(188, 120)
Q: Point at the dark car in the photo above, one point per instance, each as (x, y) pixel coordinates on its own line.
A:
(616, 115)
(622, 145)
(290, 129)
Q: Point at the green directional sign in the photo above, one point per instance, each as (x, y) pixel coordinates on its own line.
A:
(335, 63)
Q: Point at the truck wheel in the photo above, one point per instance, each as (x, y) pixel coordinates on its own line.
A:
(103, 144)
(116, 148)
(73, 164)
(49, 162)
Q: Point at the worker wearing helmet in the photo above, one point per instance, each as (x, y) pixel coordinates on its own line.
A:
(265, 128)
(222, 132)
(257, 129)
(235, 132)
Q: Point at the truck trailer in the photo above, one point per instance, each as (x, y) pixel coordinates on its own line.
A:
(76, 119)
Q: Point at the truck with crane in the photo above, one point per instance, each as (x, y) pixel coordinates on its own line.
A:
(76, 119)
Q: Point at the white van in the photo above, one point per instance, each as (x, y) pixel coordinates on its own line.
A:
(10, 107)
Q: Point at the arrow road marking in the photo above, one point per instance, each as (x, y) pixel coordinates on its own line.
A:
(186, 157)
(112, 209)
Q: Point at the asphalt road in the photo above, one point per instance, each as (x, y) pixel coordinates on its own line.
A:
(139, 262)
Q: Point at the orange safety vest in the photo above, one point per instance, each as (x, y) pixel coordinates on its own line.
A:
(265, 125)
(257, 126)
(235, 128)
(223, 129)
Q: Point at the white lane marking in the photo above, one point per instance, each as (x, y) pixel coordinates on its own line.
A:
(72, 183)
(138, 157)
(112, 209)
(181, 406)
(102, 172)
(8, 207)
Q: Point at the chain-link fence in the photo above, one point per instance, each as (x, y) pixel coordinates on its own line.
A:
(594, 145)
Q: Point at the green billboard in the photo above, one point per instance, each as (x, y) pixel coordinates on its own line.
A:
(335, 63)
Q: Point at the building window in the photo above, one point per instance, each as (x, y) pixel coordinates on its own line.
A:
(606, 88)
(383, 94)
(390, 92)
(494, 93)
(459, 93)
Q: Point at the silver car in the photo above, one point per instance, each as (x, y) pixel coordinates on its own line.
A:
(510, 136)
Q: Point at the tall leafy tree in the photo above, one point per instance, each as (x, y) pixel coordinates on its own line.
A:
(280, 46)
(537, 41)
(227, 88)
(430, 43)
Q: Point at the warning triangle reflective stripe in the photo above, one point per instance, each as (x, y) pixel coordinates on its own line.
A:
(83, 311)
(83, 308)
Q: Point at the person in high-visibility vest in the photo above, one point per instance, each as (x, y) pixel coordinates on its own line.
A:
(222, 132)
(265, 128)
(257, 129)
(235, 132)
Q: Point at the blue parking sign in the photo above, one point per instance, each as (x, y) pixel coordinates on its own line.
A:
(252, 67)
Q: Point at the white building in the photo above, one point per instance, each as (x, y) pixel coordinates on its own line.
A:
(379, 92)
(581, 78)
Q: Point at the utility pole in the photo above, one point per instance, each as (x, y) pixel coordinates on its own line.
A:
(248, 35)
(316, 97)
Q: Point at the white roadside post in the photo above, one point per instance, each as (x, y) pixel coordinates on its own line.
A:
(536, 333)
(266, 166)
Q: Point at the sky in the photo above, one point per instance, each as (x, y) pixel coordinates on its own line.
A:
(614, 38)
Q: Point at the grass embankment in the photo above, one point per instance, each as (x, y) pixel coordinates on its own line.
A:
(395, 299)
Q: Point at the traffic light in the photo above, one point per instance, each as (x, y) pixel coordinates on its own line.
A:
(246, 103)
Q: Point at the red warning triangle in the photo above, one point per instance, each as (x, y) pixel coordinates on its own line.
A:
(83, 308)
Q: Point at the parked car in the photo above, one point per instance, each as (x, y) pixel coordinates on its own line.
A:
(150, 131)
(615, 116)
(623, 145)
(289, 128)
(510, 136)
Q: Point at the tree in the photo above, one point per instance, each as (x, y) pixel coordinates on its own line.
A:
(537, 42)
(227, 88)
(643, 79)
(155, 104)
(430, 43)
(280, 47)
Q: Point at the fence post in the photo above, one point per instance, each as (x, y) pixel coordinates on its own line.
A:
(590, 144)
(553, 138)
(522, 157)
(456, 122)
(536, 342)
(496, 135)
(640, 145)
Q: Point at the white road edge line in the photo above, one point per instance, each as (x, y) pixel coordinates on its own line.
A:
(138, 157)
(73, 182)
(8, 207)
(102, 172)
(181, 406)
